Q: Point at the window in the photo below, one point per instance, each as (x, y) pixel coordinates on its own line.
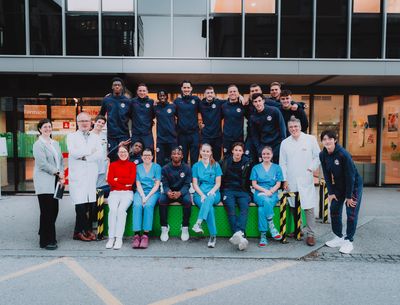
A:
(261, 28)
(331, 32)
(225, 28)
(393, 29)
(366, 31)
(83, 6)
(296, 28)
(82, 34)
(45, 15)
(12, 27)
(117, 5)
(118, 35)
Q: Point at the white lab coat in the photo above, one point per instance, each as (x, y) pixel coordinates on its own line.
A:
(83, 174)
(296, 156)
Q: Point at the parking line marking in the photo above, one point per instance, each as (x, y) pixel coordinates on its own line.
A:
(224, 284)
(91, 282)
(30, 269)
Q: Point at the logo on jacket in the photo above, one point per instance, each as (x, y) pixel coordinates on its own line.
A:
(158, 149)
(193, 102)
(269, 118)
(337, 162)
(169, 110)
(238, 110)
(182, 175)
(147, 105)
(136, 162)
(213, 106)
(123, 105)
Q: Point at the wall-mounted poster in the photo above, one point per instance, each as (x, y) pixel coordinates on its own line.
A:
(393, 122)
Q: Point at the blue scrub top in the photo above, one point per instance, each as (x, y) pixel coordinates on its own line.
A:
(147, 180)
(206, 175)
(266, 179)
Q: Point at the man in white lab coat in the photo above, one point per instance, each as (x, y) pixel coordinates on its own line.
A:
(85, 152)
(299, 157)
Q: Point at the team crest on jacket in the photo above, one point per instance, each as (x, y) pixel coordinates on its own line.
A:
(269, 118)
(213, 106)
(169, 110)
(238, 110)
(147, 105)
(193, 102)
(182, 175)
(158, 149)
(123, 105)
(136, 162)
(337, 162)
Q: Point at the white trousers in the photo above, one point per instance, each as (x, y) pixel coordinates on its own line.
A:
(118, 203)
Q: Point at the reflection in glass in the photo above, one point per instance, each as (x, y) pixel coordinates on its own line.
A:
(197, 7)
(117, 5)
(154, 7)
(118, 35)
(12, 27)
(392, 36)
(226, 6)
(45, 15)
(366, 32)
(225, 35)
(156, 36)
(82, 35)
(260, 36)
(331, 34)
(296, 28)
(361, 134)
(82, 6)
(188, 38)
(366, 6)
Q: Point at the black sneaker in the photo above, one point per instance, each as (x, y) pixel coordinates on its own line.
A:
(51, 247)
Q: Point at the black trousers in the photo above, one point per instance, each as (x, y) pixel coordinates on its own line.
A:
(48, 215)
(83, 221)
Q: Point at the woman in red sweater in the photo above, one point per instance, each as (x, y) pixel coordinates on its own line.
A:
(121, 176)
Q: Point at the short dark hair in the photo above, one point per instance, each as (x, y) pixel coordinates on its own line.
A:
(285, 93)
(142, 85)
(238, 144)
(162, 91)
(255, 95)
(330, 133)
(100, 117)
(209, 88)
(254, 85)
(233, 85)
(118, 79)
(42, 122)
(149, 150)
(179, 147)
(186, 81)
(275, 84)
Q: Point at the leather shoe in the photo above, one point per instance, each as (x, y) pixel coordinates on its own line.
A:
(310, 240)
(81, 236)
(90, 235)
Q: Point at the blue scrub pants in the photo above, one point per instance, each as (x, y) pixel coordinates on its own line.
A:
(143, 215)
(207, 212)
(265, 209)
(190, 144)
(352, 214)
(164, 152)
(242, 199)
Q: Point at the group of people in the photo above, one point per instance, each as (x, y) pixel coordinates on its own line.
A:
(276, 154)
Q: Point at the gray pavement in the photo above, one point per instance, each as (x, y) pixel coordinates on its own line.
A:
(190, 273)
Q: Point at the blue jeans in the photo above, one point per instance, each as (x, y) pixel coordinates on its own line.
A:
(143, 214)
(207, 212)
(242, 199)
(265, 209)
(352, 214)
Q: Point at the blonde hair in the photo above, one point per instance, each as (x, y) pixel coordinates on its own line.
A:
(212, 160)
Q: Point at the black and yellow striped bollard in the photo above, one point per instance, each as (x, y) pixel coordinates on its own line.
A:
(282, 218)
(100, 214)
(297, 217)
(326, 204)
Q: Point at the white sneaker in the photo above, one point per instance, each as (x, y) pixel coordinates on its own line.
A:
(243, 244)
(197, 228)
(212, 241)
(346, 247)
(110, 243)
(118, 243)
(164, 233)
(236, 238)
(185, 234)
(335, 242)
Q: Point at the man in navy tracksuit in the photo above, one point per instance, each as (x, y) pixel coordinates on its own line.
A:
(233, 113)
(166, 127)
(288, 112)
(187, 108)
(344, 187)
(268, 127)
(176, 177)
(117, 108)
(142, 114)
(211, 114)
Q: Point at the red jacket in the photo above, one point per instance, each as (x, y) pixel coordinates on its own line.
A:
(121, 175)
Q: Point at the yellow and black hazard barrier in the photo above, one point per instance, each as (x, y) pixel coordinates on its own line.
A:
(323, 201)
(100, 214)
(297, 217)
(282, 215)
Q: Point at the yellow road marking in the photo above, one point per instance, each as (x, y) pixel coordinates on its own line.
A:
(224, 284)
(30, 269)
(91, 282)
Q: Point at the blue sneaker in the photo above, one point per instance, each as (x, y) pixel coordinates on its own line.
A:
(274, 232)
(263, 240)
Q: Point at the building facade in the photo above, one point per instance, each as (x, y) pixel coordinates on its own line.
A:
(340, 57)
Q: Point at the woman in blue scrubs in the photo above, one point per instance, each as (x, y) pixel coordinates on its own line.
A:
(206, 182)
(266, 179)
(148, 177)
